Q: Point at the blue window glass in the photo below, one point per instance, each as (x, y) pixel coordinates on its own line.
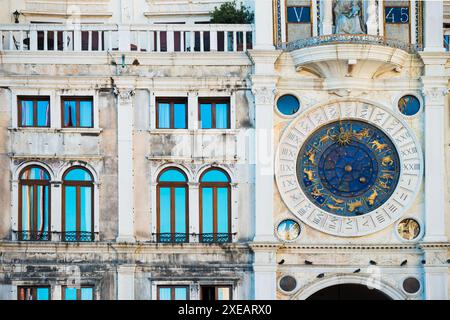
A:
(300, 14)
(43, 294)
(86, 114)
(33, 293)
(288, 105)
(172, 206)
(215, 206)
(34, 194)
(447, 42)
(78, 189)
(83, 293)
(179, 115)
(171, 113)
(34, 112)
(214, 115)
(78, 113)
(206, 115)
(173, 293)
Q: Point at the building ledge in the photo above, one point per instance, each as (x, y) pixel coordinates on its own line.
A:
(81, 131)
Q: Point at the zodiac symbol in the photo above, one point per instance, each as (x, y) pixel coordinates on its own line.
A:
(332, 207)
(384, 185)
(372, 197)
(362, 134)
(324, 139)
(316, 192)
(309, 174)
(354, 205)
(311, 156)
(386, 176)
(387, 161)
(378, 146)
(338, 201)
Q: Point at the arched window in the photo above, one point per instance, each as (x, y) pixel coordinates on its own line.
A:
(34, 204)
(215, 206)
(78, 205)
(172, 206)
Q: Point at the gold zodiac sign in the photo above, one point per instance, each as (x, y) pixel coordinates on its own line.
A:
(332, 207)
(384, 185)
(324, 138)
(354, 205)
(387, 161)
(378, 146)
(311, 156)
(372, 197)
(362, 134)
(316, 192)
(386, 176)
(309, 174)
(338, 201)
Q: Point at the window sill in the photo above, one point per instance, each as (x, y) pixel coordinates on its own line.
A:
(89, 131)
(193, 131)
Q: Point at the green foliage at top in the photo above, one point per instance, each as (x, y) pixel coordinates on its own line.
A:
(231, 13)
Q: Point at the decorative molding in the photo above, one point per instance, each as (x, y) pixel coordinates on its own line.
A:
(435, 95)
(264, 95)
(125, 95)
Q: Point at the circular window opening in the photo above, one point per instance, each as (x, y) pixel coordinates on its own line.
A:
(288, 230)
(288, 283)
(411, 285)
(409, 105)
(288, 105)
(408, 229)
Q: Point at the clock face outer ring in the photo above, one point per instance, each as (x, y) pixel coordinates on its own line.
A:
(404, 140)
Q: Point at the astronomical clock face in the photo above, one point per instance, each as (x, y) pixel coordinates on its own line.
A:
(348, 169)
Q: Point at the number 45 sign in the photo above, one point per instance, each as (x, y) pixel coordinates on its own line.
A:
(396, 14)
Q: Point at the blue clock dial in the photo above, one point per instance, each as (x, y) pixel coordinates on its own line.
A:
(348, 168)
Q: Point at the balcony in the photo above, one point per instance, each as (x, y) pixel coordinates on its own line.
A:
(73, 236)
(124, 38)
(341, 55)
(207, 238)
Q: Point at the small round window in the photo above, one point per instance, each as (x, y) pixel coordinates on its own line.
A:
(411, 285)
(288, 283)
(288, 105)
(409, 105)
(408, 229)
(288, 230)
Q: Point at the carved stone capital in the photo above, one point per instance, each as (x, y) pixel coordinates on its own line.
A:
(124, 95)
(434, 95)
(264, 95)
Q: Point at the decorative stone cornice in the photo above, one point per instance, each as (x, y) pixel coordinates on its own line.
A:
(434, 95)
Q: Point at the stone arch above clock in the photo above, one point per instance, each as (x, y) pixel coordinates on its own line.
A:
(402, 143)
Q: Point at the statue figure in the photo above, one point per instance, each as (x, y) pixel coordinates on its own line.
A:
(348, 17)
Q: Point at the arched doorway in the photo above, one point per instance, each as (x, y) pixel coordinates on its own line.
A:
(349, 291)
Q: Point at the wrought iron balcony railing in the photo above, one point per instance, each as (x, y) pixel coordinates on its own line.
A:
(28, 235)
(215, 237)
(77, 236)
(172, 237)
(142, 38)
(202, 238)
(348, 38)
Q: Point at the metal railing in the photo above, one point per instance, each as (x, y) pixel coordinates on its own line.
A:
(142, 38)
(77, 236)
(202, 238)
(348, 38)
(28, 235)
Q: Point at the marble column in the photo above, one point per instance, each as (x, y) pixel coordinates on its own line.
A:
(372, 23)
(263, 25)
(125, 162)
(435, 273)
(327, 17)
(265, 277)
(433, 25)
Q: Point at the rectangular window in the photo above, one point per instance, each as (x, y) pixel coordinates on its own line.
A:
(211, 293)
(214, 113)
(171, 113)
(33, 293)
(173, 293)
(34, 111)
(83, 293)
(77, 112)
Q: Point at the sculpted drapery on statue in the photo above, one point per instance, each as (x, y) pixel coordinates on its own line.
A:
(348, 17)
